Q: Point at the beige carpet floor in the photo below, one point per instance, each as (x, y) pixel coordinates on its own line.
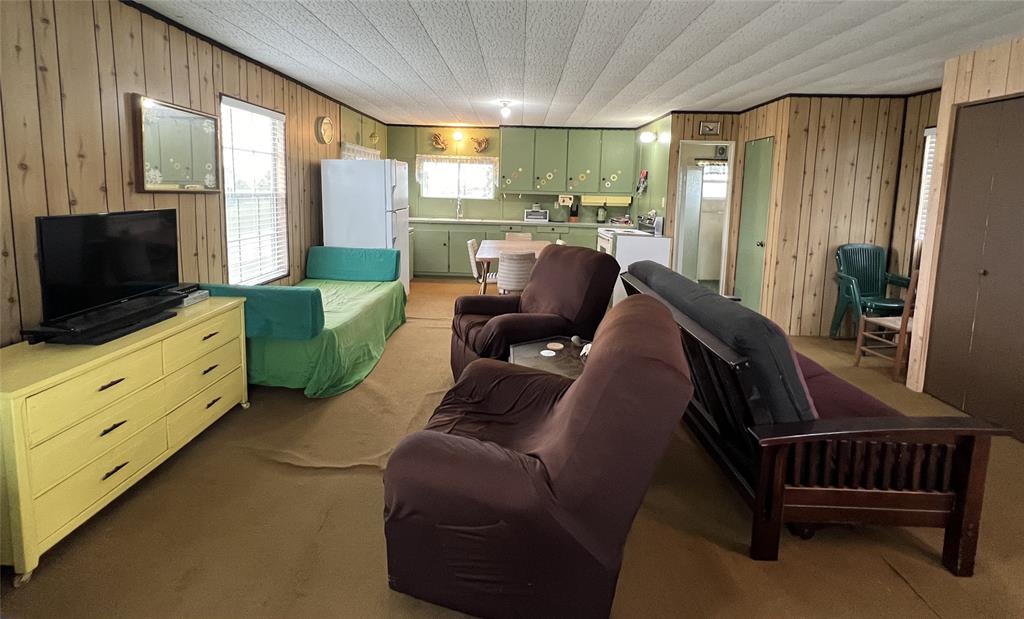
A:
(276, 512)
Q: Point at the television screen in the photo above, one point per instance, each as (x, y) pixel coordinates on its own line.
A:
(87, 261)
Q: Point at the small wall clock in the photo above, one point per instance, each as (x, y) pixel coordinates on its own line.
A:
(324, 130)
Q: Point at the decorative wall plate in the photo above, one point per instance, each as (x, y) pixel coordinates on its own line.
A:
(324, 130)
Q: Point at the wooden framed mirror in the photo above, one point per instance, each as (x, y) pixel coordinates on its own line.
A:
(176, 149)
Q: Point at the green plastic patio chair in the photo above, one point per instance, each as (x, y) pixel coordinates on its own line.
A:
(863, 284)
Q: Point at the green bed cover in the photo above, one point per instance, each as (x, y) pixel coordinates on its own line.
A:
(358, 318)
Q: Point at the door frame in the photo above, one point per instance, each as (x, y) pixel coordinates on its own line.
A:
(681, 196)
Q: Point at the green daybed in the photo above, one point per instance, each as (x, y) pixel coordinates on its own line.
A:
(325, 334)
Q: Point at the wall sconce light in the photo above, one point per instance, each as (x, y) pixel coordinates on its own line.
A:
(648, 136)
(665, 137)
(457, 135)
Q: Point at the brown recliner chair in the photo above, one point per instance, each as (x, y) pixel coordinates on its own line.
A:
(517, 498)
(567, 294)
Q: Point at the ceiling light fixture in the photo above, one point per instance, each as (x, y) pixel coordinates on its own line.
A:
(648, 136)
(506, 111)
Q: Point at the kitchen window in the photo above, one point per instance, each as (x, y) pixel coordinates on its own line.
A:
(442, 176)
(254, 192)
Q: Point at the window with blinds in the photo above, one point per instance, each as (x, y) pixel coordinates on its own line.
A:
(926, 182)
(254, 192)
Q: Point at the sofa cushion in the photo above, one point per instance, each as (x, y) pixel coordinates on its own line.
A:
(834, 398)
(469, 326)
(572, 282)
(284, 312)
(778, 393)
(352, 264)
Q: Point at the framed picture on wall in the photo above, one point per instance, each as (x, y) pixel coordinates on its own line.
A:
(710, 127)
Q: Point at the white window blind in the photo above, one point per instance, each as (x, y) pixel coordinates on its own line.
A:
(444, 176)
(926, 183)
(715, 180)
(254, 192)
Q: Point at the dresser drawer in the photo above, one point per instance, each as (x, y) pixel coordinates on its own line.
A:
(202, 373)
(194, 416)
(55, 459)
(192, 343)
(59, 407)
(72, 496)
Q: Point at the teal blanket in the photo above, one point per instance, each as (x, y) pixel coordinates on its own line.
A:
(358, 318)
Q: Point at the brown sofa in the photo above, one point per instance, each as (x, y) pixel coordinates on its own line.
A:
(516, 499)
(567, 295)
(807, 448)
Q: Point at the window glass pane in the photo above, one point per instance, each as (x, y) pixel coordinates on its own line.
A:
(476, 181)
(456, 177)
(254, 193)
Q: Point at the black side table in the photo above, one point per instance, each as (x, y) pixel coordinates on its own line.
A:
(566, 361)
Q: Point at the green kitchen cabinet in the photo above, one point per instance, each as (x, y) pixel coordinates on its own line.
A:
(458, 250)
(546, 236)
(581, 237)
(550, 151)
(584, 161)
(618, 151)
(516, 159)
(351, 126)
(374, 135)
(430, 252)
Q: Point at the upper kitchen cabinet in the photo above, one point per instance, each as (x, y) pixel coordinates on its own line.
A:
(517, 149)
(550, 150)
(351, 126)
(584, 161)
(618, 151)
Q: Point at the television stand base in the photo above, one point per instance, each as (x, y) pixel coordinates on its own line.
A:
(113, 334)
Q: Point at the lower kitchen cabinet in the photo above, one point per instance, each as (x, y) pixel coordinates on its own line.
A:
(581, 237)
(430, 252)
(458, 250)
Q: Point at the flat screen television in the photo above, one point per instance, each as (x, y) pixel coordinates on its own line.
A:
(91, 261)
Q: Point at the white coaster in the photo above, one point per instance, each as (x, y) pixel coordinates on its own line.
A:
(547, 353)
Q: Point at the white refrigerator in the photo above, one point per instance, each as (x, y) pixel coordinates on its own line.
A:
(366, 204)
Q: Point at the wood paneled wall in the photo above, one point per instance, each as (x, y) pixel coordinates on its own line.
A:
(922, 112)
(988, 73)
(68, 71)
(838, 182)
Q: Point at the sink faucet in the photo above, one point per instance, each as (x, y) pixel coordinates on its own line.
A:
(458, 208)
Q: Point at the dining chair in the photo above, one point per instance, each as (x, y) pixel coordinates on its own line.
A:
(518, 236)
(863, 284)
(514, 270)
(879, 335)
(482, 277)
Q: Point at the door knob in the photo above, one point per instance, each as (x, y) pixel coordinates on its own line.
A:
(983, 272)
(760, 243)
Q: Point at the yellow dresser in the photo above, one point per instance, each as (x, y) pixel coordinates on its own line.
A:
(81, 424)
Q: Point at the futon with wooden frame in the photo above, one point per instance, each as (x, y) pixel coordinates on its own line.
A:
(805, 448)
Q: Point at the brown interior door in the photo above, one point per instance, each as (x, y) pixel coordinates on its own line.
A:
(975, 359)
(996, 391)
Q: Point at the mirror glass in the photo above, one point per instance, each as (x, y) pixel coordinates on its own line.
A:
(179, 149)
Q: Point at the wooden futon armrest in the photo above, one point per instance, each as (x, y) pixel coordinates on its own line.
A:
(905, 429)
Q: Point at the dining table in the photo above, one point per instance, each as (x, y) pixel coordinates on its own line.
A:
(490, 251)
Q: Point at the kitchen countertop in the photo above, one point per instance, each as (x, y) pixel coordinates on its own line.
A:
(511, 222)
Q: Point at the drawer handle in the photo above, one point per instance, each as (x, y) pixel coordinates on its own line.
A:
(114, 470)
(209, 335)
(213, 401)
(210, 369)
(113, 427)
(112, 383)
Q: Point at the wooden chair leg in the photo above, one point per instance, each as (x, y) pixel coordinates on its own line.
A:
(969, 470)
(766, 528)
(861, 325)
